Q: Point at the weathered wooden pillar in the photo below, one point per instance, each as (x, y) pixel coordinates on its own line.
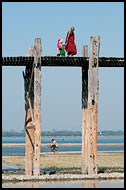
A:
(93, 90)
(37, 105)
(29, 121)
(90, 88)
(85, 113)
(32, 80)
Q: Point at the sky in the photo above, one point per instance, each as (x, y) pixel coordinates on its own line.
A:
(61, 108)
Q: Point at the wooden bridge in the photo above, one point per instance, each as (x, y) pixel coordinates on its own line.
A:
(63, 61)
(90, 92)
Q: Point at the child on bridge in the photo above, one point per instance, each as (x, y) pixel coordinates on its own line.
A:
(60, 48)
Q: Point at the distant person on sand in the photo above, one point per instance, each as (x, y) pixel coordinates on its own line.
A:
(70, 46)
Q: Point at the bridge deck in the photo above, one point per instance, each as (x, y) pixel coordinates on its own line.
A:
(62, 61)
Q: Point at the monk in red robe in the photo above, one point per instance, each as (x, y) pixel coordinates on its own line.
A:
(70, 46)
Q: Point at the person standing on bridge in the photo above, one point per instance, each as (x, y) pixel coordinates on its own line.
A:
(60, 48)
(70, 46)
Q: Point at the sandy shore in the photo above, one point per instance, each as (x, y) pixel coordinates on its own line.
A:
(47, 177)
(70, 161)
(67, 167)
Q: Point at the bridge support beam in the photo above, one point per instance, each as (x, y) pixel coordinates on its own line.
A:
(29, 109)
(90, 90)
(85, 113)
(37, 105)
(32, 80)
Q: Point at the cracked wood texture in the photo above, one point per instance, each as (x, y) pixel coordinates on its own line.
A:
(85, 140)
(93, 91)
(29, 147)
(90, 90)
(37, 105)
(63, 61)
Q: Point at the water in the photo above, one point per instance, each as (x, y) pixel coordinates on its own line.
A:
(68, 184)
(60, 184)
(101, 140)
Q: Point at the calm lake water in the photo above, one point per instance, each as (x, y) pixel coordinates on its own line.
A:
(68, 184)
(103, 140)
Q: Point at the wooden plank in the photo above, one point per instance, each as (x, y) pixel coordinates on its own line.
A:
(29, 147)
(31, 110)
(30, 127)
(92, 146)
(31, 79)
(93, 90)
(93, 85)
(63, 61)
(84, 166)
(37, 105)
(84, 51)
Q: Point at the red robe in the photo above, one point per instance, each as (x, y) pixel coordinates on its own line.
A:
(71, 47)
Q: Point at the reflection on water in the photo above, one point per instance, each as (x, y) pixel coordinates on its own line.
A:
(6, 167)
(68, 184)
(90, 184)
(32, 185)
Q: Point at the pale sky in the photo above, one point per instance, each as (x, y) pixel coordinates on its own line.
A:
(62, 86)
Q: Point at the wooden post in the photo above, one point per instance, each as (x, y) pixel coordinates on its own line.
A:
(37, 105)
(93, 90)
(84, 51)
(29, 98)
(85, 113)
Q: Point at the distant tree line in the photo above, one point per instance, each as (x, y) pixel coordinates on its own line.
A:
(61, 133)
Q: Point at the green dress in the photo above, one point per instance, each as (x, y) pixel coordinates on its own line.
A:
(62, 51)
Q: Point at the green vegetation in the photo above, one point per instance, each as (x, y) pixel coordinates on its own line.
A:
(110, 169)
(107, 161)
(61, 133)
